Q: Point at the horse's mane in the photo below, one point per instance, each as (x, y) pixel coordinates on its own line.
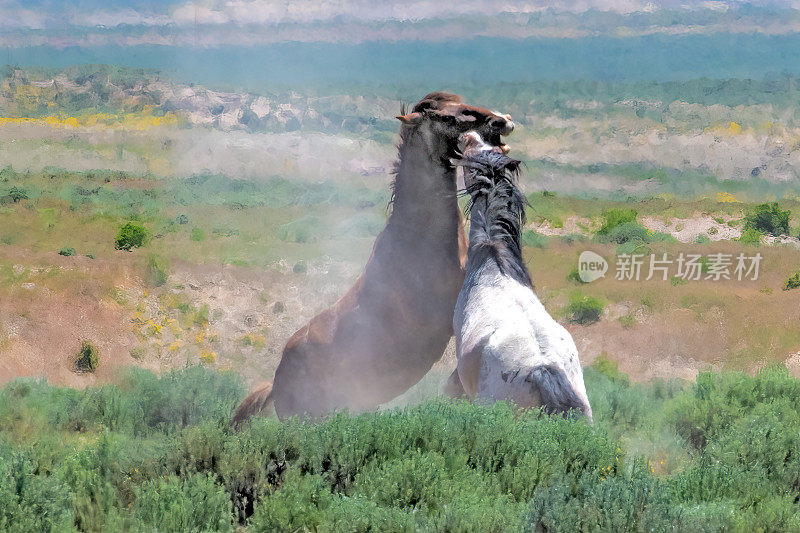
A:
(500, 232)
(429, 101)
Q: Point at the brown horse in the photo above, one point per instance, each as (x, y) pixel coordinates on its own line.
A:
(382, 336)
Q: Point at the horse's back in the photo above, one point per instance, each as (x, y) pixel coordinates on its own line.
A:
(512, 349)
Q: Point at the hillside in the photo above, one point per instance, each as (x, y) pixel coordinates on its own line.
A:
(584, 138)
(252, 228)
(231, 268)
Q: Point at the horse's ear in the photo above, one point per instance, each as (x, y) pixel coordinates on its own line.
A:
(410, 118)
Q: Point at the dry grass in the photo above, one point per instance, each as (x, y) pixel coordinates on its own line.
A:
(242, 271)
(725, 324)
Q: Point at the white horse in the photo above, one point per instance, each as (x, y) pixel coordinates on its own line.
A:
(508, 346)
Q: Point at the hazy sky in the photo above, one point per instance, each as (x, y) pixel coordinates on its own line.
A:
(130, 22)
(44, 14)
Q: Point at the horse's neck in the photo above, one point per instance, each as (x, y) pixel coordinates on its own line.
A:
(425, 204)
(487, 228)
(418, 252)
(418, 249)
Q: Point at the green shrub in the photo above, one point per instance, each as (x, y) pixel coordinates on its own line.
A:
(417, 480)
(610, 369)
(141, 404)
(300, 267)
(67, 251)
(534, 239)
(198, 234)
(30, 501)
(302, 502)
(157, 271)
(751, 236)
(631, 236)
(793, 282)
(158, 453)
(627, 321)
(89, 473)
(130, 236)
(715, 401)
(176, 399)
(584, 310)
(616, 217)
(575, 276)
(631, 501)
(306, 503)
(768, 219)
(88, 358)
(17, 194)
(627, 232)
(196, 503)
(201, 316)
(306, 229)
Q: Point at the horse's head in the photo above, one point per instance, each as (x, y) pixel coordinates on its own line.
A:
(471, 144)
(441, 118)
(481, 159)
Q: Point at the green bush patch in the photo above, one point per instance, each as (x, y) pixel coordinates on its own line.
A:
(616, 217)
(534, 239)
(154, 453)
(768, 219)
(793, 282)
(584, 310)
(130, 236)
(17, 194)
(197, 234)
(751, 236)
(88, 358)
(157, 270)
(300, 267)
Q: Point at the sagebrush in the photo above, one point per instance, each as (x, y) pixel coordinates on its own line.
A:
(158, 454)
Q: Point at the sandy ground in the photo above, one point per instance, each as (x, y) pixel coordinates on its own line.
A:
(689, 229)
(682, 229)
(41, 327)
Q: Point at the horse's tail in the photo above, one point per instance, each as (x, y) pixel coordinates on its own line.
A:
(556, 392)
(259, 402)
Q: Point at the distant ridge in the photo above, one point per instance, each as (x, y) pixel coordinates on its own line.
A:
(472, 62)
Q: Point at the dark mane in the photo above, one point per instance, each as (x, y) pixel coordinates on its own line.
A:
(432, 100)
(500, 230)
